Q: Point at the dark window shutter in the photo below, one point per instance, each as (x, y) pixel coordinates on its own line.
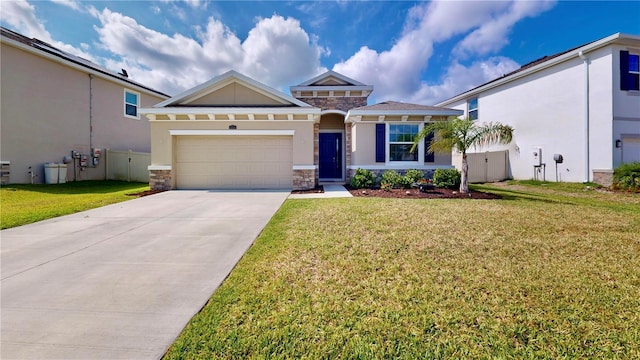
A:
(428, 157)
(380, 142)
(625, 78)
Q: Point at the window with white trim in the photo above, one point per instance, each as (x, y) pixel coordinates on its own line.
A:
(629, 71)
(131, 104)
(472, 108)
(400, 141)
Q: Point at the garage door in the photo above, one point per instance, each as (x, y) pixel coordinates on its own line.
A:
(234, 162)
(630, 149)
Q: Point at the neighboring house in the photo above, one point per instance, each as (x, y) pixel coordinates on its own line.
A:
(234, 132)
(583, 104)
(54, 103)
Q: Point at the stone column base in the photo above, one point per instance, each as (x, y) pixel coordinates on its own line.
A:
(160, 179)
(304, 179)
(603, 177)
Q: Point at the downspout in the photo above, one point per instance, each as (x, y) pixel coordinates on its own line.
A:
(90, 112)
(587, 172)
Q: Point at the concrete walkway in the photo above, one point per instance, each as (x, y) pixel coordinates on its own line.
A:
(122, 281)
(330, 191)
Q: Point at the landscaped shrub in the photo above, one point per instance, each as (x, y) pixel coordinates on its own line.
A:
(392, 178)
(627, 177)
(446, 178)
(362, 179)
(413, 176)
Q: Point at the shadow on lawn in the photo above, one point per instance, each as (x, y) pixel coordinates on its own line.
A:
(77, 187)
(515, 195)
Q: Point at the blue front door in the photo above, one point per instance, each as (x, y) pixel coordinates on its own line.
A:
(330, 156)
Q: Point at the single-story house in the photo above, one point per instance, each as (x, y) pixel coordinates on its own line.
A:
(54, 103)
(582, 104)
(235, 132)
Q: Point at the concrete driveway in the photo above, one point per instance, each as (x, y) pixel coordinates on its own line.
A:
(122, 281)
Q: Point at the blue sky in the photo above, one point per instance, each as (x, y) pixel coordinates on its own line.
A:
(420, 52)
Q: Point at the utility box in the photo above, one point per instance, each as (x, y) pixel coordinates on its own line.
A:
(537, 156)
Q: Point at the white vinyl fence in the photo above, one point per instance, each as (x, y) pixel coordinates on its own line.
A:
(128, 165)
(488, 166)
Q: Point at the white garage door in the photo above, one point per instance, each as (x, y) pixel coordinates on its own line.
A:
(630, 149)
(234, 162)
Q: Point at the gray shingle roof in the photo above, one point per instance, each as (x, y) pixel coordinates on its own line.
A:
(399, 106)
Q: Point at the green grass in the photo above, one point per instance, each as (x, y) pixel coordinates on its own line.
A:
(24, 204)
(551, 271)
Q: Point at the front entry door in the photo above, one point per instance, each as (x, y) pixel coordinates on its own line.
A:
(330, 156)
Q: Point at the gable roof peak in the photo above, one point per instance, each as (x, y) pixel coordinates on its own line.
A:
(231, 76)
(347, 81)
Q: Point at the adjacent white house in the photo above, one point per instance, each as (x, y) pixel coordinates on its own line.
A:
(583, 104)
(53, 103)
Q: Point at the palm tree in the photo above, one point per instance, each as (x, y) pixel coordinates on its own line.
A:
(461, 135)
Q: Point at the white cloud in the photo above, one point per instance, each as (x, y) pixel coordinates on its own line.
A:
(277, 51)
(73, 4)
(460, 78)
(396, 72)
(21, 15)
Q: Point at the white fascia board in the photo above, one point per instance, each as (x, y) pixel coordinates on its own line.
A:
(609, 40)
(444, 112)
(78, 67)
(226, 110)
(232, 132)
(332, 88)
(331, 73)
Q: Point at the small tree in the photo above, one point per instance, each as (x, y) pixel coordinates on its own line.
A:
(461, 135)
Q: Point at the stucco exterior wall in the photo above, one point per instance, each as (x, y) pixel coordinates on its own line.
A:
(162, 143)
(547, 110)
(363, 151)
(46, 113)
(234, 94)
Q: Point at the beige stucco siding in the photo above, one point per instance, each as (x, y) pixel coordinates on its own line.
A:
(332, 122)
(363, 148)
(234, 94)
(163, 147)
(46, 113)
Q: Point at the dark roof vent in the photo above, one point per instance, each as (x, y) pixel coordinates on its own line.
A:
(124, 73)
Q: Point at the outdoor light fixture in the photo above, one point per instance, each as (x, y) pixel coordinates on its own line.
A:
(618, 143)
(232, 127)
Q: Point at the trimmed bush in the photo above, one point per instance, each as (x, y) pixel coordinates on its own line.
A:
(446, 178)
(413, 176)
(627, 177)
(362, 179)
(392, 178)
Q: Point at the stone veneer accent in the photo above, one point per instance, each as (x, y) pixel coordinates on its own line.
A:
(335, 103)
(347, 143)
(304, 179)
(603, 177)
(160, 179)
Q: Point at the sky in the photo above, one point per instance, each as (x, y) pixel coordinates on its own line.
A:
(418, 52)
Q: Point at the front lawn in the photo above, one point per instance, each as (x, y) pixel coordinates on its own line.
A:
(24, 204)
(547, 272)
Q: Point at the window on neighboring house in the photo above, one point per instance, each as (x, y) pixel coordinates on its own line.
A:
(131, 103)
(472, 108)
(401, 140)
(629, 71)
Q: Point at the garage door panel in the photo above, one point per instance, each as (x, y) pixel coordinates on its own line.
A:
(234, 162)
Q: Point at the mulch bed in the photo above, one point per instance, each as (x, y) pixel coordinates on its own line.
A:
(437, 193)
(317, 190)
(145, 193)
